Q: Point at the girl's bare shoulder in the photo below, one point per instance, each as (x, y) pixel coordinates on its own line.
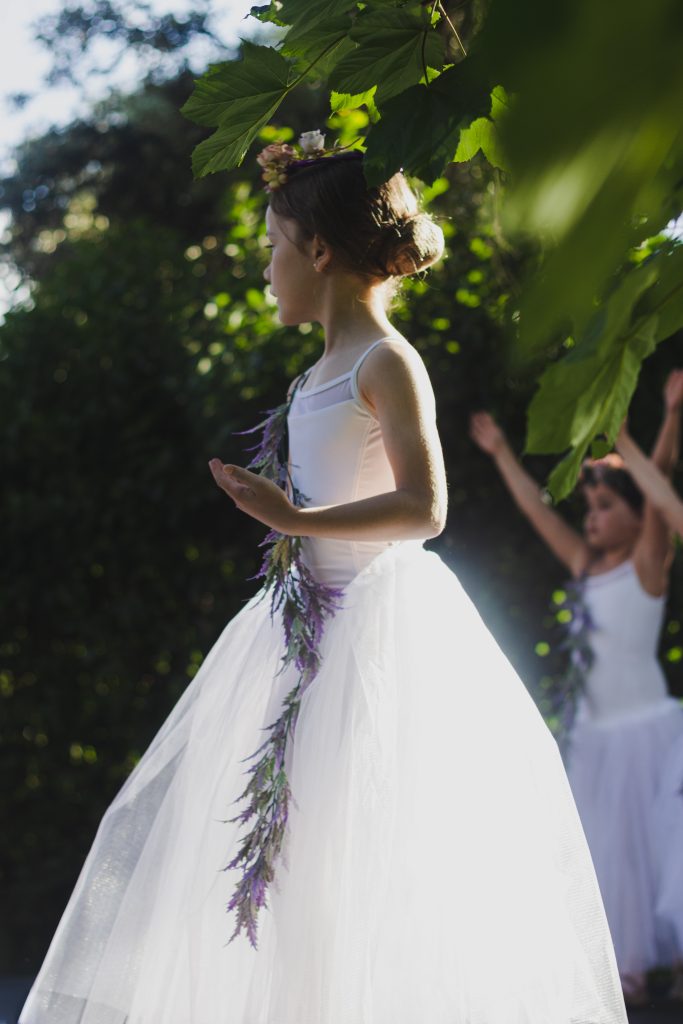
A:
(394, 360)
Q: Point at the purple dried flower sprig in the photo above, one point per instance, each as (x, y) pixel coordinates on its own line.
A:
(304, 605)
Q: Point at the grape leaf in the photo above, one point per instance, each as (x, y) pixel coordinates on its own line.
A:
(266, 13)
(588, 392)
(483, 134)
(665, 297)
(343, 101)
(392, 53)
(419, 129)
(565, 400)
(301, 13)
(238, 98)
(322, 44)
(611, 392)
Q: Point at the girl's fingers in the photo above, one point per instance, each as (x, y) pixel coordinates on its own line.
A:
(232, 480)
(223, 476)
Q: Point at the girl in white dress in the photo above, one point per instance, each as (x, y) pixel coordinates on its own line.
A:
(433, 866)
(625, 748)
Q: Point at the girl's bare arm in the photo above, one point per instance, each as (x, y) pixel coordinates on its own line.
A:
(565, 543)
(653, 552)
(652, 482)
(394, 383)
(665, 451)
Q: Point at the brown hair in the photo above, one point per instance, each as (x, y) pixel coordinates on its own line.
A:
(378, 231)
(611, 471)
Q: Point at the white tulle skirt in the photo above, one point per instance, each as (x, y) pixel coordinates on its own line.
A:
(436, 869)
(626, 774)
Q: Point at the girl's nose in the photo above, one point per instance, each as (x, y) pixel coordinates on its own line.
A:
(266, 274)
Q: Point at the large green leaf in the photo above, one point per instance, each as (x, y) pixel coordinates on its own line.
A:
(419, 129)
(319, 46)
(301, 13)
(594, 142)
(665, 298)
(319, 32)
(588, 392)
(343, 101)
(566, 399)
(484, 134)
(608, 396)
(238, 98)
(392, 53)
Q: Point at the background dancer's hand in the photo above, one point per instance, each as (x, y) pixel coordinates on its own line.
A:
(253, 494)
(673, 391)
(486, 433)
(565, 543)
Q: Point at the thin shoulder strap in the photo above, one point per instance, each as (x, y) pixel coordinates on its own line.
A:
(359, 362)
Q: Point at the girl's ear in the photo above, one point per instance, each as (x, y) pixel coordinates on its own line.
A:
(322, 254)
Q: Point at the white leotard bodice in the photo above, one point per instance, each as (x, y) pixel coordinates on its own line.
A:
(337, 455)
(626, 678)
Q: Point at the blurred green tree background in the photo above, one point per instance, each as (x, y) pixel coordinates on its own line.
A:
(146, 342)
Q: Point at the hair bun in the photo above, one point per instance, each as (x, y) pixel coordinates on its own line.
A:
(413, 243)
(377, 231)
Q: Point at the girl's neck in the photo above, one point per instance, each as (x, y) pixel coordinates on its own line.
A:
(352, 320)
(609, 558)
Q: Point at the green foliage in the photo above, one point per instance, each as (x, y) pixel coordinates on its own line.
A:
(420, 128)
(483, 134)
(391, 53)
(594, 157)
(596, 154)
(589, 391)
(238, 98)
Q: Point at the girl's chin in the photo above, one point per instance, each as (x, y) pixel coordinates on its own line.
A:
(288, 319)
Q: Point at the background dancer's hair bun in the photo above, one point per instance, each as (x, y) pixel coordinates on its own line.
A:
(378, 231)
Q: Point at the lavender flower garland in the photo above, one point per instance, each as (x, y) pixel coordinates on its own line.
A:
(304, 605)
(563, 693)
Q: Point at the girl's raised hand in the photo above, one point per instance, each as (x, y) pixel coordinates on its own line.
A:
(255, 495)
(673, 391)
(485, 432)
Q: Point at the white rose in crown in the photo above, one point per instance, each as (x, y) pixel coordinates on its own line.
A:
(312, 142)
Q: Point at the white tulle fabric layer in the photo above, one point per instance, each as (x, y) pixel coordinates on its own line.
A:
(627, 778)
(436, 869)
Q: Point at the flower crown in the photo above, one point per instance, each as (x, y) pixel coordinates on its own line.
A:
(276, 158)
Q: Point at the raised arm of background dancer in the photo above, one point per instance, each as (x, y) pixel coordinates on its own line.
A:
(653, 553)
(652, 482)
(665, 451)
(565, 543)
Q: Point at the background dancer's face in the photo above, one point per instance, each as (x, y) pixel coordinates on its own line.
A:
(610, 522)
(291, 273)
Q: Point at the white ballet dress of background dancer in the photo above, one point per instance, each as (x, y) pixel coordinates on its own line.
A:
(436, 869)
(625, 765)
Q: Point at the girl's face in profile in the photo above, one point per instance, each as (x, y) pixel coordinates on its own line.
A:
(292, 278)
(609, 522)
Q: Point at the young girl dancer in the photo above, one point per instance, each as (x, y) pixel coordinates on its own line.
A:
(628, 733)
(433, 866)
